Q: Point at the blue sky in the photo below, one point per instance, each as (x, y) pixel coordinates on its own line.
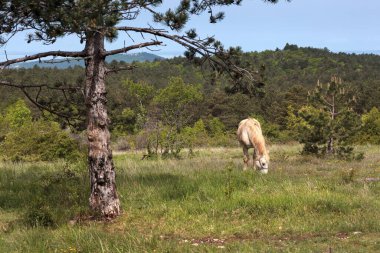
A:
(339, 25)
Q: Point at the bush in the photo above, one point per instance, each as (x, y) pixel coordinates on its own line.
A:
(39, 141)
(370, 130)
(194, 136)
(48, 207)
(17, 115)
(39, 216)
(314, 128)
(216, 127)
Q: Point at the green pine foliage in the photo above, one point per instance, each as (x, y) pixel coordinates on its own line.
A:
(308, 126)
(328, 124)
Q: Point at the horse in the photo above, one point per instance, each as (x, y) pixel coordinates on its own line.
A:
(250, 135)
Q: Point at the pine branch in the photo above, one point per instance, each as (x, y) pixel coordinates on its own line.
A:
(115, 70)
(42, 55)
(194, 45)
(22, 86)
(129, 48)
(55, 61)
(41, 107)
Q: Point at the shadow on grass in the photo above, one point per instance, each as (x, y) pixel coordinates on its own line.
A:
(166, 186)
(44, 196)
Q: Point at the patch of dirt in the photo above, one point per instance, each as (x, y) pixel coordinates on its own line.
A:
(204, 240)
(342, 235)
(277, 239)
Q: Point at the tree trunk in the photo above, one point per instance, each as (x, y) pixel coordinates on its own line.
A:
(330, 146)
(330, 142)
(103, 199)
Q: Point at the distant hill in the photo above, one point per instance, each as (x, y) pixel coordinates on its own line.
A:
(128, 58)
(377, 52)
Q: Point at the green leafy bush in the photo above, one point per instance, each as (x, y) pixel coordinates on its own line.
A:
(17, 115)
(39, 141)
(172, 111)
(370, 130)
(216, 127)
(194, 136)
(27, 140)
(217, 135)
(39, 216)
(48, 207)
(272, 131)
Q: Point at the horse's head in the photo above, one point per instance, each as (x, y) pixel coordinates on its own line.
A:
(262, 163)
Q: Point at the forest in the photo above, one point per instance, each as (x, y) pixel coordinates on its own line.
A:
(166, 105)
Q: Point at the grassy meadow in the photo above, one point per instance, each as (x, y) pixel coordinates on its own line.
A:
(201, 204)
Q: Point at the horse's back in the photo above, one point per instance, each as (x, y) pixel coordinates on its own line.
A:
(249, 123)
(247, 129)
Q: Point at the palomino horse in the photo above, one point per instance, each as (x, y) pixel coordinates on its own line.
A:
(250, 136)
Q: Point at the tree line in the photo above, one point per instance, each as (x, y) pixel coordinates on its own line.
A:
(165, 106)
(289, 75)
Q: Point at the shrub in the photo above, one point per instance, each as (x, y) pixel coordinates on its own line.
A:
(370, 130)
(39, 141)
(17, 115)
(216, 127)
(48, 207)
(39, 216)
(194, 136)
(315, 129)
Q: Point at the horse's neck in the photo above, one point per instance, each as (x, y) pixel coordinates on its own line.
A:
(259, 145)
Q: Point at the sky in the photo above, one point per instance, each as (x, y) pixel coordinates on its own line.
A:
(339, 25)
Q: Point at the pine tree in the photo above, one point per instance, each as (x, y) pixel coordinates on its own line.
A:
(335, 99)
(328, 123)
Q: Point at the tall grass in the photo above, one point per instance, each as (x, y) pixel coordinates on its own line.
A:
(203, 204)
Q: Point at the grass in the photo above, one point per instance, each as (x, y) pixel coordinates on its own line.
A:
(203, 204)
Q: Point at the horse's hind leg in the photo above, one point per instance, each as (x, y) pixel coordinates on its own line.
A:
(246, 158)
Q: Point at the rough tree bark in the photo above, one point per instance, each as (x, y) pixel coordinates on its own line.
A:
(103, 199)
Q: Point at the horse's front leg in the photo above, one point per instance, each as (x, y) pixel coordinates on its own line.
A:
(246, 158)
(254, 156)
